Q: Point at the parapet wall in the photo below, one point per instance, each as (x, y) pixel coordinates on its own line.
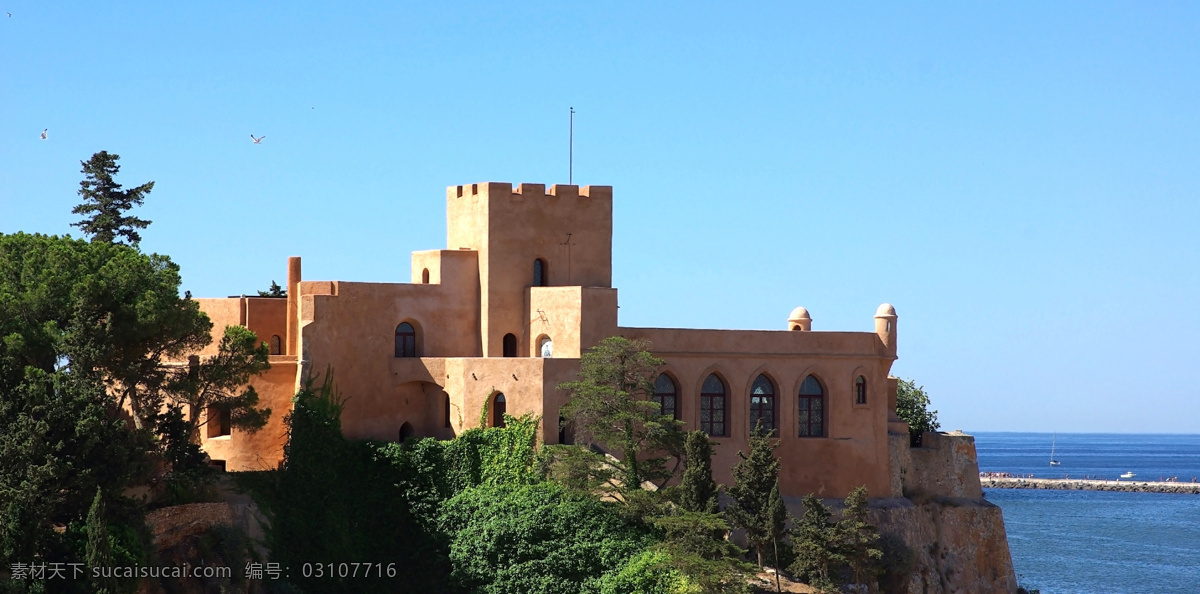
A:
(944, 466)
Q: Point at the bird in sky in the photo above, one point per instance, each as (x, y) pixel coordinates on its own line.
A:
(257, 140)
(45, 134)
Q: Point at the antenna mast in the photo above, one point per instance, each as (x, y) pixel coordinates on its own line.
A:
(571, 150)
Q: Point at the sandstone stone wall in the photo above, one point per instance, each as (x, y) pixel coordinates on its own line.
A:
(957, 537)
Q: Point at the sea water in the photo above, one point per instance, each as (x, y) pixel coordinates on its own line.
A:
(1098, 541)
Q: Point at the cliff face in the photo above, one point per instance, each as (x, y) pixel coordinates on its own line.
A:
(937, 508)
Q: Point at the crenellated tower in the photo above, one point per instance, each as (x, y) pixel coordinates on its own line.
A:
(528, 236)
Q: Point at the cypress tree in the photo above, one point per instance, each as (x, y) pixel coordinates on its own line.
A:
(99, 551)
(861, 539)
(817, 546)
(105, 203)
(699, 490)
(754, 478)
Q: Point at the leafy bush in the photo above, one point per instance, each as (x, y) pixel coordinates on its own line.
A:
(335, 501)
(912, 405)
(648, 572)
(535, 538)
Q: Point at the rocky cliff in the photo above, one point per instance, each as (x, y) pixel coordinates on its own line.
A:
(937, 508)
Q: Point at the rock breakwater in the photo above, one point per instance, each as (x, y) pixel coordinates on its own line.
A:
(1129, 486)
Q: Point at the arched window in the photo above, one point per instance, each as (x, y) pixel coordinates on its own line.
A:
(546, 347)
(276, 345)
(446, 409)
(406, 431)
(811, 408)
(498, 410)
(860, 390)
(762, 404)
(712, 406)
(539, 273)
(664, 395)
(406, 340)
(510, 345)
(425, 276)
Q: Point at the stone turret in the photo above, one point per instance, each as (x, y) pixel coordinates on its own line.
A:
(885, 327)
(800, 320)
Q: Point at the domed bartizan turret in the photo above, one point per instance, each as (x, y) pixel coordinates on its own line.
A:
(799, 320)
(885, 326)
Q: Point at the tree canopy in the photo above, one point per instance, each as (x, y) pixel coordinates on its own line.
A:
(610, 407)
(912, 405)
(753, 508)
(222, 382)
(105, 203)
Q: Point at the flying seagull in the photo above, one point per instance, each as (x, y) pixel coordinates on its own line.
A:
(257, 140)
(45, 134)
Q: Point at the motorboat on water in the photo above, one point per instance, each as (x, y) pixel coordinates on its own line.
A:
(1128, 475)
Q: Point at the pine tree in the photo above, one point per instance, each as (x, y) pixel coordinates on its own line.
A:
(861, 539)
(755, 476)
(698, 492)
(105, 203)
(815, 541)
(99, 551)
(273, 291)
(610, 407)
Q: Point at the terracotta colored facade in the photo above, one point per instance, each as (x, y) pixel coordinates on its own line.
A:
(530, 265)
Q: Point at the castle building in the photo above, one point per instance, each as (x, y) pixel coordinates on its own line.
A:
(501, 318)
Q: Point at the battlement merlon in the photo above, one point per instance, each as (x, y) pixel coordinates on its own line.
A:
(499, 190)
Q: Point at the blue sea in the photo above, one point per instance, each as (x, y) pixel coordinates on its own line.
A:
(1098, 541)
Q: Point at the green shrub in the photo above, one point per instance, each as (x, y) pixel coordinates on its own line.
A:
(535, 538)
(648, 572)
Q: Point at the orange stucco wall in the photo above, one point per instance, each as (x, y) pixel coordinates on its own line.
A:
(463, 301)
(262, 449)
(854, 450)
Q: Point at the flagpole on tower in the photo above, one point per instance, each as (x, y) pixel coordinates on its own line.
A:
(571, 150)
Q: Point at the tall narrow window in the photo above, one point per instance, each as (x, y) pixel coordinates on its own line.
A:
(860, 390)
(406, 340)
(762, 404)
(664, 395)
(425, 276)
(712, 406)
(566, 431)
(220, 421)
(811, 408)
(446, 409)
(539, 273)
(276, 345)
(510, 345)
(498, 410)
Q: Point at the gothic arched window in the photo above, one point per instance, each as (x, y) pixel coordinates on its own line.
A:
(860, 390)
(665, 395)
(810, 408)
(712, 406)
(762, 404)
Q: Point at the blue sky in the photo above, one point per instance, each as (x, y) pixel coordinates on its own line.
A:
(1019, 179)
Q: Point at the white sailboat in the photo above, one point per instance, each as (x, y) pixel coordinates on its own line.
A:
(1053, 439)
